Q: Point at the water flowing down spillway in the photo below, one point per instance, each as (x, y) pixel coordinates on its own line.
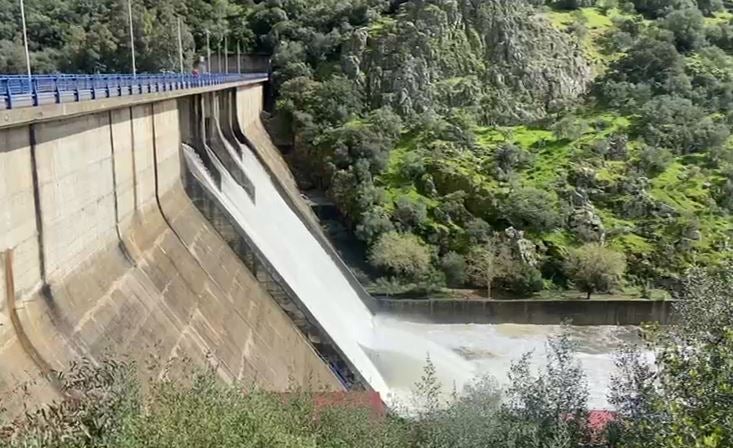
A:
(319, 283)
(389, 353)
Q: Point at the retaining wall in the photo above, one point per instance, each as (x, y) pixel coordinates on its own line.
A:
(110, 257)
(541, 312)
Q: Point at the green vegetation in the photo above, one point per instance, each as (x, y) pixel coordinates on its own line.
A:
(549, 124)
(630, 148)
(682, 399)
(594, 268)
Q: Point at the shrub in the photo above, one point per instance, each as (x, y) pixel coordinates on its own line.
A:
(594, 268)
(531, 209)
(654, 160)
(454, 268)
(402, 254)
(569, 127)
(411, 213)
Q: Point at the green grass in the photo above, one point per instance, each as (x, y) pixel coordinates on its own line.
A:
(597, 24)
(381, 25)
(594, 18)
(681, 188)
(686, 186)
(719, 17)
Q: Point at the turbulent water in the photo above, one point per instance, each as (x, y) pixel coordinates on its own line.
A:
(490, 349)
(389, 354)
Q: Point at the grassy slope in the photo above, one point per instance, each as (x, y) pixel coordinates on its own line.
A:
(684, 186)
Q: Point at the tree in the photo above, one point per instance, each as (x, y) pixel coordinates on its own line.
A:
(687, 26)
(485, 263)
(594, 268)
(686, 398)
(569, 127)
(531, 209)
(709, 7)
(659, 8)
(409, 212)
(454, 268)
(654, 160)
(649, 61)
(680, 125)
(402, 254)
(553, 402)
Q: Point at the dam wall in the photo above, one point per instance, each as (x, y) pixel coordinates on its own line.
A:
(256, 137)
(102, 253)
(534, 312)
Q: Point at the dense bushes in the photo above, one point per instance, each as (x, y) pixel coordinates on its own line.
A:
(681, 397)
(452, 183)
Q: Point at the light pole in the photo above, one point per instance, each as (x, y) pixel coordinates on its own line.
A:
(226, 55)
(208, 53)
(132, 37)
(180, 45)
(25, 41)
(239, 59)
(218, 53)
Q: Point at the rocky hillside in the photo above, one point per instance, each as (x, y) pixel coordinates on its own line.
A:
(518, 145)
(495, 58)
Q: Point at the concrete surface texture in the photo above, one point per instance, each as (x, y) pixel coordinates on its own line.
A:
(110, 257)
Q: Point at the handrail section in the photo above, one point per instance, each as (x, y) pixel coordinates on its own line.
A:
(23, 91)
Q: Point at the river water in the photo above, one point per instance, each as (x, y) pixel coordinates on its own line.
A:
(490, 349)
(390, 354)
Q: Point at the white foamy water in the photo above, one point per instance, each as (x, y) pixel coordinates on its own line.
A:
(321, 286)
(492, 348)
(389, 354)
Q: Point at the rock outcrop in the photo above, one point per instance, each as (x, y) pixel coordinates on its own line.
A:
(492, 55)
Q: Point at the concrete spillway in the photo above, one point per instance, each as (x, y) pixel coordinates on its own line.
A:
(315, 277)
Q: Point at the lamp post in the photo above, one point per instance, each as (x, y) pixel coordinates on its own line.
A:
(239, 59)
(180, 46)
(25, 41)
(226, 54)
(132, 37)
(208, 52)
(218, 53)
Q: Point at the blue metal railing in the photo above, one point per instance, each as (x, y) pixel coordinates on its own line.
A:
(21, 91)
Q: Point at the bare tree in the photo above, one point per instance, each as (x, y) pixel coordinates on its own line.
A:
(487, 262)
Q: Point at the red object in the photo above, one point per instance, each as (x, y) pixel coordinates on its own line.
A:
(599, 420)
(365, 400)
(359, 400)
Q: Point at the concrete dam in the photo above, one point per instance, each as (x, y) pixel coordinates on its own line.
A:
(166, 228)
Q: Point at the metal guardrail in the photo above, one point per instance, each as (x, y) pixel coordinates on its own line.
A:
(22, 91)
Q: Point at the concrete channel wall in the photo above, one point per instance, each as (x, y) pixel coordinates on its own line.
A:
(539, 312)
(103, 253)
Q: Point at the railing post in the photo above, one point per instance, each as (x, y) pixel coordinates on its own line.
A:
(57, 90)
(9, 93)
(75, 81)
(34, 91)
